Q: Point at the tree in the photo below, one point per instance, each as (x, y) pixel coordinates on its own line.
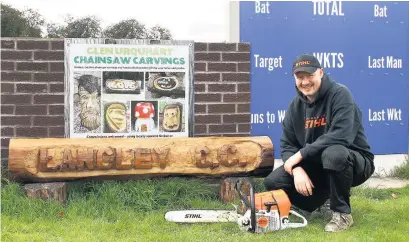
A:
(83, 27)
(29, 23)
(158, 32)
(16, 23)
(126, 29)
(132, 29)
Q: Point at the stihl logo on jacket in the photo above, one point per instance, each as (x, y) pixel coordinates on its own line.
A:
(315, 122)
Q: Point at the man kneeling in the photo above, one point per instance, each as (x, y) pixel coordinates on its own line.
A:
(323, 145)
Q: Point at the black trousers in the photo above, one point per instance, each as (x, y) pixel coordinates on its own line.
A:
(333, 174)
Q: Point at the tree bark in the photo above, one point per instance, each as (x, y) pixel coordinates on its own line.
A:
(53, 159)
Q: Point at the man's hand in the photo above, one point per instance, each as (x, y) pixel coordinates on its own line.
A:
(292, 161)
(302, 182)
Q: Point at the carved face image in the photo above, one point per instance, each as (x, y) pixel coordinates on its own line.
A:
(115, 117)
(171, 117)
(89, 100)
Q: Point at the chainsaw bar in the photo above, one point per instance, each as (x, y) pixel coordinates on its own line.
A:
(202, 216)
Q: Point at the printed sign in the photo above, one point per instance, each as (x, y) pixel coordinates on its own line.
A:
(128, 89)
(363, 45)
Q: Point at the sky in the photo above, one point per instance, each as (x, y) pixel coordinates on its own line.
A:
(201, 20)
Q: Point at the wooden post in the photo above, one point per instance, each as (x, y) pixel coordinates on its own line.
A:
(47, 191)
(228, 192)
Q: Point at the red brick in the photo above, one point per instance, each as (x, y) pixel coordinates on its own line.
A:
(200, 66)
(204, 135)
(35, 132)
(15, 120)
(236, 77)
(7, 44)
(49, 77)
(56, 132)
(16, 55)
(55, 88)
(224, 128)
(221, 87)
(200, 129)
(222, 47)
(57, 67)
(236, 118)
(5, 143)
(243, 87)
(56, 109)
(7, 132)
(15, 76)
(207, 56)
(245, 47)
(16, 99)
(243, 67)
(7, 109)
(244, 128)
(32, 66)
(7, 88)
(205, 119)
(200, 47)
(32, 45)
(243, 108)
(236, 135)
(4, 154)
(222, 66)
(48, 121)
(240, 97)
(236, 56)
(200, 108)
(49, 55)
(31, 88)
(221, 108)
(207, 77)
(57, 45)
(200, 87)
(208, 97)
(31, 110)
(48, 99)
(7, 66)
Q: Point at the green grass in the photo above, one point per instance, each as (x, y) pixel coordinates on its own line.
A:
(401, 171)
(134, 211)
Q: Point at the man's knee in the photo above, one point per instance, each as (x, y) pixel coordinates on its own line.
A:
(335, 157)
(270, 183)
(277, 179)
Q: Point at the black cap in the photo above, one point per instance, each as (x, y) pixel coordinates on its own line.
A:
(307, 63)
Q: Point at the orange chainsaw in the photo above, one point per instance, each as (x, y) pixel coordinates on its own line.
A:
(265, 211)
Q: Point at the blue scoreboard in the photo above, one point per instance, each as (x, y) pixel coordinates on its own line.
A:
(363, 45)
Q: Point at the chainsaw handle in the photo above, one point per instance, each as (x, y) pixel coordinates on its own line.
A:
(296, 225)
(251, 203)
(242, 197)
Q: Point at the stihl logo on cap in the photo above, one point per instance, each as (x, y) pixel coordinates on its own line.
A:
(301, 63)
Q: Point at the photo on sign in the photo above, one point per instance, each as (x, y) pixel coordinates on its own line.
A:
(115, 117)
(144, 116)
(164, 85)
(171, 116)
(87, 102)
(122, 85)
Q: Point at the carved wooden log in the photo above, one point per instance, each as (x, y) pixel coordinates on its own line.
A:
(52, 159)
(47, 191)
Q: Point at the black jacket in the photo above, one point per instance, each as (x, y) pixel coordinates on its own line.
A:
(333, 118)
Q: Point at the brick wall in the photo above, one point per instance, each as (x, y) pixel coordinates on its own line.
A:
(32, 89)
